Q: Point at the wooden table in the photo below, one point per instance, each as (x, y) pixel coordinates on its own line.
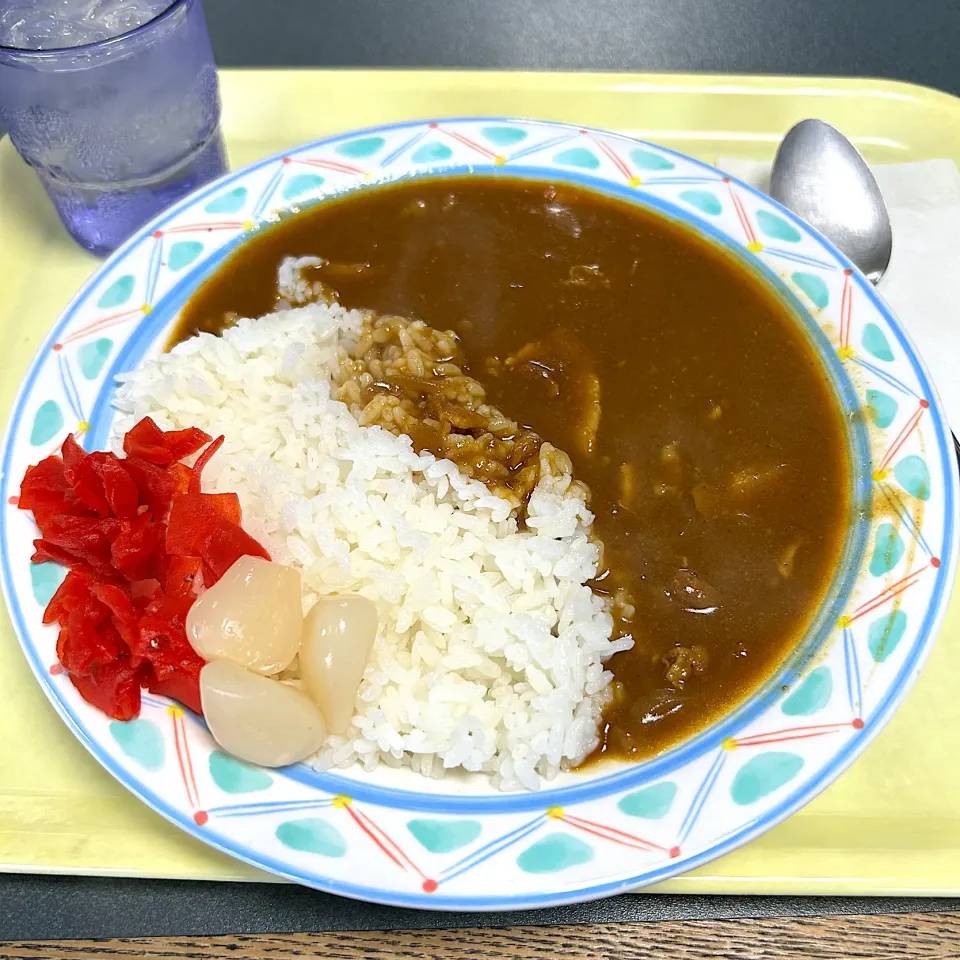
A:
(897, 937)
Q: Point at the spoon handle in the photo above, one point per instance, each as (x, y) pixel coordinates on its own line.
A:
(956, 447)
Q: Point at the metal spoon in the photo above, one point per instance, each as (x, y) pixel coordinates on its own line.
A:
(819, 175)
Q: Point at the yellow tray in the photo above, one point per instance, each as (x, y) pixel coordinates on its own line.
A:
(890, 825)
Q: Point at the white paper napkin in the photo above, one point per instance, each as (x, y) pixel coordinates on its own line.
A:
(922, 283)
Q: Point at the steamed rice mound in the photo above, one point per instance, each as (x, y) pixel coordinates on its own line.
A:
(490, 651)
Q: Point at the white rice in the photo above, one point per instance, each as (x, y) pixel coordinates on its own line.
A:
(490, 651)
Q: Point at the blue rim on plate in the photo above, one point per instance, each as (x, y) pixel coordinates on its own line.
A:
(594, 834)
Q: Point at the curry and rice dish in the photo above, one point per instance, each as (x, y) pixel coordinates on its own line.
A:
(548, 478)
(680, 388)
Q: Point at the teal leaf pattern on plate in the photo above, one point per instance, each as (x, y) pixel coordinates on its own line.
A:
(885, 634)
(777, 228)
(651, 802)
(44, 580)
(359, 149)
(183, 253)
(881, 408)
(812, 695)
(118, 293)
(577, 157)
(875, 342)
(302, 183)
(704, 200)
(555, 852)
(432, 153)
(312, 835)
(650, 162)
(444, 836)
(234, 776)
(230, 202)
(47, 423)
(763, 774)
(504, 136)
(913, 475)
(141, 740)
(92, 357)
(888, 548)
(814, 287)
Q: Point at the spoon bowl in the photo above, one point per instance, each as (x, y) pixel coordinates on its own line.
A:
(820, 176)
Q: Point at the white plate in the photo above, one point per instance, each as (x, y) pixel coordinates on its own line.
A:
(458, 845)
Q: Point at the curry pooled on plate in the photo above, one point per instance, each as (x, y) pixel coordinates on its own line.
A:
(560, 347)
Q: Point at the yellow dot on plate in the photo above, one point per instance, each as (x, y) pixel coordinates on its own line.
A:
(844, 622)
(634, 182)
(845, 353)
(555, 813)
(729, 744)
(341, 801)
(175, 711)
(83, 426)
(879, 475)
(499, 160)
(248, 225)
(755, 246)
(146, 309)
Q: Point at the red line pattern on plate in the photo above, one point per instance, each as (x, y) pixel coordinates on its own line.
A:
(792, 733)
(383, 840)
(98, 325)
(618, 163)
(905, 431)
(846, 309)
(182, 746)
(611, 833)
(466, 141)
(741, 214)
(330, 165)
(208, 227)
(894, 590)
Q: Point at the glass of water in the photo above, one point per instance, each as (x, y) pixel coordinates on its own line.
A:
(114, 103)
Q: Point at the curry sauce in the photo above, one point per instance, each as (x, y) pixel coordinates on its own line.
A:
(685, 392)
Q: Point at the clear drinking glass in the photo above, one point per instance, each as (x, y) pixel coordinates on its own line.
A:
(117, 128)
